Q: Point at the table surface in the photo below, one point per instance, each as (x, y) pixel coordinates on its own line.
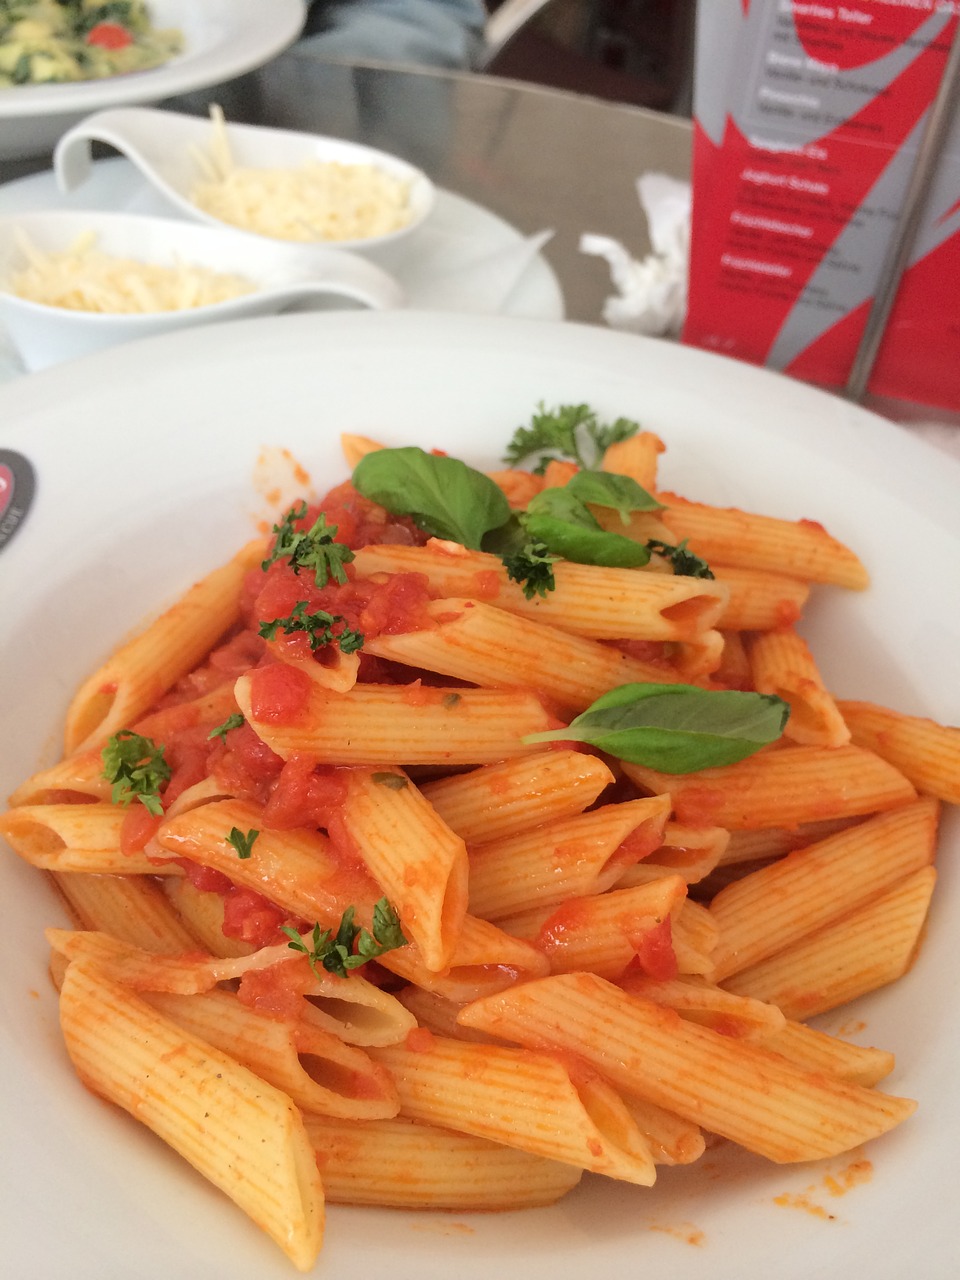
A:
(538, 157)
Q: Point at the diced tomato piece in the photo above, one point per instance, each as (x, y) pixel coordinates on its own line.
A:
(278, 693)
(655, 953)
(109, 35)
(138, 826)
(251, 918)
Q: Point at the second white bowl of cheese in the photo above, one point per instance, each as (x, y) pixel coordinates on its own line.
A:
(278, 184)
(75, 282)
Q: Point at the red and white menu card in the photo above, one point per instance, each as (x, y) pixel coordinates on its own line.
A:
(808, 118)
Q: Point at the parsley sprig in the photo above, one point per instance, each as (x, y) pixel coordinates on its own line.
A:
(242, 843)
(569, 431)
(231, 722)
(137, 768)
(335, 952)
(532, 566)
(683, 562)
(319, 626)
(313, 549)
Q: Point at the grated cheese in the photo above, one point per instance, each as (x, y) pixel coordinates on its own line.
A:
(320, 200)
(83, 278)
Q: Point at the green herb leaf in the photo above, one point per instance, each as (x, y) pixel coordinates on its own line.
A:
(684, 562)
(443, 495)
(569, 431)
(242, 843)
(605, 489)
(336, 954)
(676, 728)
(532, 567)
(231, 722)
(319, 626)
(314, 549)
(137, 768)
(560, 521)
(393, 781)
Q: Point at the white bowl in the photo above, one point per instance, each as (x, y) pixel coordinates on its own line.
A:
(163, 146)
(285, 277)
(222, 39)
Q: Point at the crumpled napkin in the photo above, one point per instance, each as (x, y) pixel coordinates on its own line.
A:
(651, 295)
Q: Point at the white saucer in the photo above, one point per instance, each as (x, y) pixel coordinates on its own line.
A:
(438, 267)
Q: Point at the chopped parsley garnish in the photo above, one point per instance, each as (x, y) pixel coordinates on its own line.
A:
(314, 549)
(319, 626)
(242, 843)
(231, 722)
(569, 431)
(394, 781)
(137, 768)
(683, 562)
(335, 952)
(532, 567)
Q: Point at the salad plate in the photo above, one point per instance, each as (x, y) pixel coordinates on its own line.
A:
(222, 39)
(157, 457)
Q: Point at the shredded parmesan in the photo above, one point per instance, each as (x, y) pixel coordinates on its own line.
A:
(318, 201)
(82, 278)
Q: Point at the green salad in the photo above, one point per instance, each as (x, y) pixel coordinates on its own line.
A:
(56, 41)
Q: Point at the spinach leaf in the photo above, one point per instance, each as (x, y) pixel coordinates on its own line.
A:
(559, 520)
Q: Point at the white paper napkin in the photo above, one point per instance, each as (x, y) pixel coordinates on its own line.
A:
(651, 295)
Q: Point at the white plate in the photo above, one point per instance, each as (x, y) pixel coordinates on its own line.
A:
(146, 458)
(456, 261)
(222, 39)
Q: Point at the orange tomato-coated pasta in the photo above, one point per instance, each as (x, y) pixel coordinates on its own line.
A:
(355, 916)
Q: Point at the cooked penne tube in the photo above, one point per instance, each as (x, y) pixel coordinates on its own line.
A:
(486, 959)
(637, 457)
(864, 950)
(419, 863)
(505, 1093)
(571, 857)
(75, 837)
(299, 869)
(486, 646)
(800, 549)
(378, 724)
(242, 1134)
(781, 787)
(759, 600)
(131, 681)
(765, 843)
(672, 1140)
(925, 752)
(782, 664)
(313, 1067)
(747, 1094)
(691, 852)
(774, 907)
(588, 600)
(201, 911)
(500, 800)
(818, 1051)
(134, 909)
(602, 933)
(408, 1165)
(356, 447)
(741, 1017)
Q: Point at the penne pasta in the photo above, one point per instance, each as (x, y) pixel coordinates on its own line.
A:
(925, 752)
(782, 664)
(132, 680)
(739, 1091)
(784, 786)
(242, 1134)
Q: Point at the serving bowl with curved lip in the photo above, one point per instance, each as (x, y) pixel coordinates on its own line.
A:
(223, 39)
(163, 146)
(284, 275)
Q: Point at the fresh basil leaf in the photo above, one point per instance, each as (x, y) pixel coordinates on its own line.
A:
(676, 728)
(605, 489)
(563, 524)
(443, 495)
